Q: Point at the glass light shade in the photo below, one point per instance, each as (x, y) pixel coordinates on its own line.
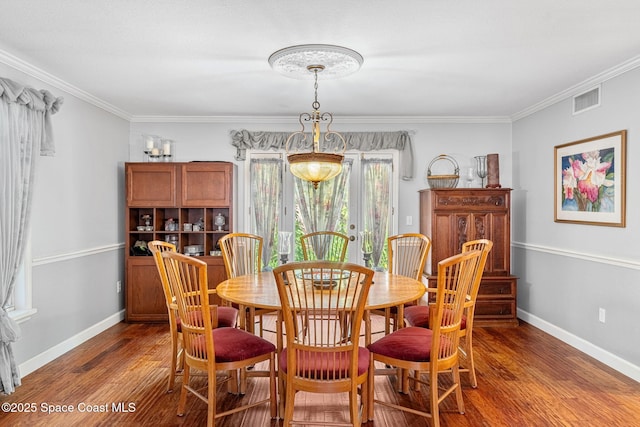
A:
(315, 167)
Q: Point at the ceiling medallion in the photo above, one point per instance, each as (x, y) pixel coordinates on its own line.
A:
(294, 61)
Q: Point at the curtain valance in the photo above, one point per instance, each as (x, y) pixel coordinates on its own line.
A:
(244, 140)
(38, 100)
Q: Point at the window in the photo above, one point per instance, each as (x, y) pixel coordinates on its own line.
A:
(363, 197)
(19, 306)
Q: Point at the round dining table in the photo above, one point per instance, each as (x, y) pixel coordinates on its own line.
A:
(260, 291)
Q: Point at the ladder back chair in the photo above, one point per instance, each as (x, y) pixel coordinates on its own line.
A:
(242, 255)
(212, 349)
(419, 315)
(407, 257)
(434, 350)
(323, 307)
(324, 245)
(226, 315)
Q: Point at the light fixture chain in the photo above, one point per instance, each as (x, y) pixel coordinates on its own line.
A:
(316, 104)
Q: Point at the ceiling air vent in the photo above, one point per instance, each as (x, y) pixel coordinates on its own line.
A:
(586, 100)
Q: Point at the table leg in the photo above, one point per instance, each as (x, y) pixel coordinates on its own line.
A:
(400, 319)
(367, 328)
(242, 312)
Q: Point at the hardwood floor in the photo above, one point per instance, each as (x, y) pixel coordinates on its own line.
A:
(525, 378)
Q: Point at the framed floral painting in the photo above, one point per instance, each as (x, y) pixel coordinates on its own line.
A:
(590, 180)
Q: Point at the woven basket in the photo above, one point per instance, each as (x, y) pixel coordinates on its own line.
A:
(443, 181)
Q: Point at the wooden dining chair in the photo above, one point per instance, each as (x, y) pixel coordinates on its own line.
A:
(242, 255)
(211, 349)
(407, 254)
(324, 245)
(419, 315)
(436, 349)
(323, 354)
(226, 316)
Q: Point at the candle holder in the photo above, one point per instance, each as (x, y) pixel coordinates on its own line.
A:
(152, 148)
(168, 149)
(284, 245)
(481, 168)
(470, 177)
(367, 247)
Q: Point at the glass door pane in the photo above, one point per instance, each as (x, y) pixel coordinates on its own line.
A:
(360, 199)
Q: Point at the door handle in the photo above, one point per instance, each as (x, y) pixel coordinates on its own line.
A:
(352, 238)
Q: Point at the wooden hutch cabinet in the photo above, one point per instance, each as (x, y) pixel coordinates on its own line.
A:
(450, 217)
(161, 198)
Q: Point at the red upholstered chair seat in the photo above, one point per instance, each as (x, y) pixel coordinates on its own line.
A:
(418, 315)
(226, 318)
(325, 364)
(233, 344)
(410, 343)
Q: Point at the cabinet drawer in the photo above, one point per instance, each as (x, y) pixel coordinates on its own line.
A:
(471, 200)
(491, 289)
(495, 309)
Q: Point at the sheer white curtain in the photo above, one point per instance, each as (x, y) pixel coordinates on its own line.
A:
(320, 208)
(266, 201)
(25, 131)
(376, 175)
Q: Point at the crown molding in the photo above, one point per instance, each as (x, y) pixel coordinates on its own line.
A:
(580, 87)
(25, 67)
(341, 119)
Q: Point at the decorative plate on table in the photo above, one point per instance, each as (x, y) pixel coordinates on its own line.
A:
(325, 280)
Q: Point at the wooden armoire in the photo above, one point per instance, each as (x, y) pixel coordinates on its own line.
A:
(450, 217)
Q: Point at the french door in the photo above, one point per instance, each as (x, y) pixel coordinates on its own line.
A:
(362, 199)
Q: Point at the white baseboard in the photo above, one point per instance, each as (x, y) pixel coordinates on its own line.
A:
(609, 359)
(58, 350)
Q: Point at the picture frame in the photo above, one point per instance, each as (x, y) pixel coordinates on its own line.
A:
(590, 180)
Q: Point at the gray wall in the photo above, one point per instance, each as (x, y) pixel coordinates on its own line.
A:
(76, 231)
(569, 271)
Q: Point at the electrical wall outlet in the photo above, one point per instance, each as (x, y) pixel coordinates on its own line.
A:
(409, 220)
(601, 314)
(119, 286)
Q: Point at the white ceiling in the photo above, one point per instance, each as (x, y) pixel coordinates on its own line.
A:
(422, 58)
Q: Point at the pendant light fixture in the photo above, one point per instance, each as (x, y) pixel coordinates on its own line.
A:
(333, 61)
